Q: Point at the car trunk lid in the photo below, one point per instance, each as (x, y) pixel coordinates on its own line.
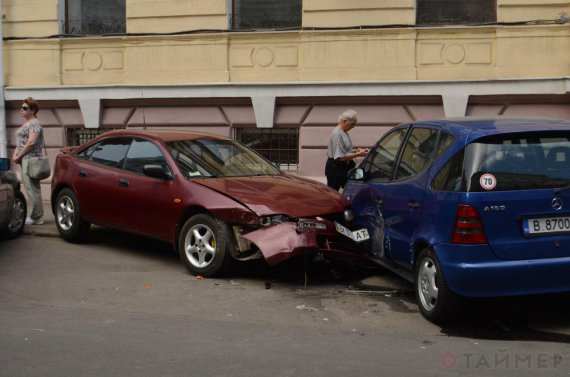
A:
(522, 225)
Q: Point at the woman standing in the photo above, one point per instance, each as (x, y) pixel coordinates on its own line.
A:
(30, 143)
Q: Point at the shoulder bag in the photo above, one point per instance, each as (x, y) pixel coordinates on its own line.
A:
(38, 167)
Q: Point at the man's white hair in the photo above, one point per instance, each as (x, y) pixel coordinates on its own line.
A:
(347, 115)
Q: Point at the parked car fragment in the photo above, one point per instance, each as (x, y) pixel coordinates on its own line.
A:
(211, 197)
(12, 203)
(468, 207)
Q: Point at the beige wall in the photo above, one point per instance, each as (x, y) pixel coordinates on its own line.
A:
(526, 10)
(346, 13)
(159, 16)
(25, 18)
(307, 56)
(393, 54)
(29, 18)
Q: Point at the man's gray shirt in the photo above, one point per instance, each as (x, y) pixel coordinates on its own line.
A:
(339, 144)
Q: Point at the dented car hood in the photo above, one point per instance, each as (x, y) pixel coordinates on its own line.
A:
(288, 195)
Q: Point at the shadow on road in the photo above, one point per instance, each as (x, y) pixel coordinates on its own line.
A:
(530, 318)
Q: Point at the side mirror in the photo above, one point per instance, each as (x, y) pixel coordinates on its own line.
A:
(356, 174)
(157, 171)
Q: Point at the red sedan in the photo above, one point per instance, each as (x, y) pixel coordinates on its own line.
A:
(213, 198)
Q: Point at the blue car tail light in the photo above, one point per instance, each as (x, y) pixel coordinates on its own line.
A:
(468, 227)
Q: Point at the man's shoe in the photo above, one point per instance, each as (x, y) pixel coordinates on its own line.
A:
(30, 221)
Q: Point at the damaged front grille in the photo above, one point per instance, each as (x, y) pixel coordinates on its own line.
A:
(302, 224)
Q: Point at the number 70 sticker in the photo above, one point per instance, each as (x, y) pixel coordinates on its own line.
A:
(488, 181)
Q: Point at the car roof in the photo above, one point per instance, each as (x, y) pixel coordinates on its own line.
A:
(166, 135)
(484, 126)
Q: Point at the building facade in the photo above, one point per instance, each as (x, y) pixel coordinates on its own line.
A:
(276, 74)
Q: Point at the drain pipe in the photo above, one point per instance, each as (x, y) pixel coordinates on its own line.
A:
(3, 138)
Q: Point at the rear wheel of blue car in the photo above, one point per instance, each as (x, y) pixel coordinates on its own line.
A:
(436, 301)
(68, 219)
(204, 244)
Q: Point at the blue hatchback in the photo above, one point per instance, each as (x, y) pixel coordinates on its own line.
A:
(468, 207)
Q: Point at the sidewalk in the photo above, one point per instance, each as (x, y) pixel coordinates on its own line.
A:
(48, 228)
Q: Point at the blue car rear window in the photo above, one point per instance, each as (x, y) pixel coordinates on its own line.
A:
(517, 162)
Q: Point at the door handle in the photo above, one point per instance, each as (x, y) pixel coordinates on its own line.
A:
(413, 204)
(123, 183)
(82, 173)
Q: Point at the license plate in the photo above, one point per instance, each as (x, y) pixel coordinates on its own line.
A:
(546, 225)
(357, 235)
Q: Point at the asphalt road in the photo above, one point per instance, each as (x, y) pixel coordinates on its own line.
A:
(125, 306)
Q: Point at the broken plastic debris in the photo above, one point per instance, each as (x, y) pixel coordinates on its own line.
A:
(200, 277)
(387, 293)
(307, 308)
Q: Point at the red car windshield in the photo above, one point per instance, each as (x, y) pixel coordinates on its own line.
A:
(218, 158)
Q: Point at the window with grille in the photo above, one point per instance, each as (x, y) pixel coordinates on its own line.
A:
(442, 12)
(266, 14)
(94, 17)
(78, 136)
(278, 145)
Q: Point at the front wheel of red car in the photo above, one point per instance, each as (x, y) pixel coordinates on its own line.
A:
(436, 301)
(68, 217)
(204, 244)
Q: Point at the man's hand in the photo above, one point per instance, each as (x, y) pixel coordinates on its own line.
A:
(362, 151)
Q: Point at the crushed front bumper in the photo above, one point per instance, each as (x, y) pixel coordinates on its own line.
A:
(278, 242)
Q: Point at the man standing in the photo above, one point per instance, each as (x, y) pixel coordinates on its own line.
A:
(340, 154)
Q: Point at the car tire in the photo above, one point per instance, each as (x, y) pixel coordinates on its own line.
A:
(204, 244)
(68, 219)
(17, 218)
(436, 301)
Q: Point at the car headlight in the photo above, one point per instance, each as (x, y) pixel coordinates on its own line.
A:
(274, 219)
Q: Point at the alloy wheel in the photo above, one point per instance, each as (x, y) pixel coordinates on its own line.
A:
(427, 284)
(65, 213)
(200, 245)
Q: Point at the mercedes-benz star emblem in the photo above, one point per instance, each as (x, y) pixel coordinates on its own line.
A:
(557, 204)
